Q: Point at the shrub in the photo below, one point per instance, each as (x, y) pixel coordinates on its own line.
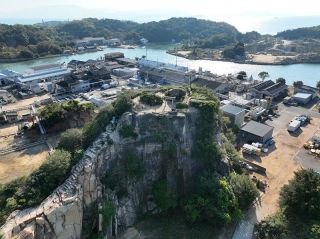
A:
(108, 211)
(244, 189)
(164, 197)
(151, 99)
(181, 105)
(127, 131)
(213, 202)
(134, 166)
(122, 104)
(71, 140)
(273, 227)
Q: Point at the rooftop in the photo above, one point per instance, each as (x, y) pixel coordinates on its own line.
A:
(44, 74)
(231, 109)
(212, 84)
(256, 128)
(302, 95)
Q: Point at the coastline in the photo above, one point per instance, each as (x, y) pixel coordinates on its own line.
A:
(246, 62)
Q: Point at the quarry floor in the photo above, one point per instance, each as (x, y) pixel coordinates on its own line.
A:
(282, 160)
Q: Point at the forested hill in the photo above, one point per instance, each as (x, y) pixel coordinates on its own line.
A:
(178, 29)
(301, 33)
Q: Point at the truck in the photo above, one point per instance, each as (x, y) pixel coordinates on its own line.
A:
(294, 126)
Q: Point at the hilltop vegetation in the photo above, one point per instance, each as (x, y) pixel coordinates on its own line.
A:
(301, 33)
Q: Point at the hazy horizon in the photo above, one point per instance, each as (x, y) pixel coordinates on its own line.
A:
(245, 15)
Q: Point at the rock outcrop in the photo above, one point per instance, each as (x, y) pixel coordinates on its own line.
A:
(62, 214)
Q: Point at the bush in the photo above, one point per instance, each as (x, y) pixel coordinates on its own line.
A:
(244, 189)
(134, 166)
(51, 114)
(274, 227)
(71, 140)
(122, 104)
(163, 196)
(181, 105)
(213, 202)
(108, 211)
(94, 128)
(151, 99)
(127, 131)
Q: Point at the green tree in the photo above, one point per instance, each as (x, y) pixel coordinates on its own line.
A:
(244, 189)
(300, 198)
(318, 86)
(51, 114)
(71, 140)
(263, 75)
(281, 80)
(213, 202)
(298, 83)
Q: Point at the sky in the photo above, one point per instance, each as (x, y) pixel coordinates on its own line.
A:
(246, 15)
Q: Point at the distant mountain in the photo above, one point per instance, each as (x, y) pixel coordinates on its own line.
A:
(301, 33)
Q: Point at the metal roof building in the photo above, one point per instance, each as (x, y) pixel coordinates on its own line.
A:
(256, 132)
(235, 113)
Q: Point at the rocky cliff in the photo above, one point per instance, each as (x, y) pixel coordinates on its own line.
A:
(163, 143)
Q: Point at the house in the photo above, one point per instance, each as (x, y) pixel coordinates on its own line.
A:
(255, 132)
(269, 88)
(307, 90)
(215, 86)
(235, 113)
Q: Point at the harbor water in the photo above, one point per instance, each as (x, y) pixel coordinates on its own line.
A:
(308, 73)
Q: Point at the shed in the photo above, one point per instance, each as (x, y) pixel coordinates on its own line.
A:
(235, 113)
(302, 98)
(256, 132)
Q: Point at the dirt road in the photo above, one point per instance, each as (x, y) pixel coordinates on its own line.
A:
(281, 163)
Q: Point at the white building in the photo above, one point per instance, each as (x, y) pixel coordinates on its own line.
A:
(43, 74)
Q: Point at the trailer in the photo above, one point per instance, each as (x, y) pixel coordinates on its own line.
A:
(294, 126)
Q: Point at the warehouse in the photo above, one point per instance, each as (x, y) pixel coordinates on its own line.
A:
(302, 98)
(235, 113)
(256, 132)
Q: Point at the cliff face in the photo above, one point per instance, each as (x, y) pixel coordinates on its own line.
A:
(163, 144)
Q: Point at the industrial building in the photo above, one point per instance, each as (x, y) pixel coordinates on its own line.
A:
(302, 98)
(255, 132)
(211, 83)
(164, 73)
(269, 88)
(43, 74)
(235, 113)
